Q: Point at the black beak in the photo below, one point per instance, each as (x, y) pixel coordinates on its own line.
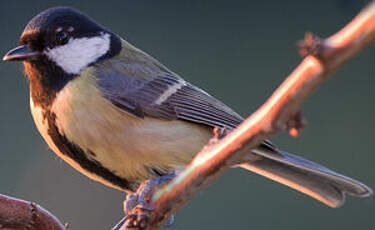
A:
(20, 53)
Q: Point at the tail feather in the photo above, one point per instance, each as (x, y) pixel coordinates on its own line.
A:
(307, 177)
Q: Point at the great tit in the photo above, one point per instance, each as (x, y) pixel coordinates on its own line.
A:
(121, 117)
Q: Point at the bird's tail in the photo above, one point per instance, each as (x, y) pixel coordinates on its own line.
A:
(307, 177)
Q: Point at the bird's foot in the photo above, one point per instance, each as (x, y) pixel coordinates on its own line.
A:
(219, 133)
(138, 206)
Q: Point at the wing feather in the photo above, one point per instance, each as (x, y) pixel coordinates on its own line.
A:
(187, 102)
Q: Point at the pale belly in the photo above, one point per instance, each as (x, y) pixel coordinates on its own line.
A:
(126, 145)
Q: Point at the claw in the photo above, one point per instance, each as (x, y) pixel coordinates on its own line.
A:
(138, 206)
(139, 218)
(130, 202)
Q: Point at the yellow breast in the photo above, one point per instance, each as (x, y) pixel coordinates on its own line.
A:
(127, 145)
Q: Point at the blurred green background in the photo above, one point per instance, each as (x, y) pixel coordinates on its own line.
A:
(239, 51)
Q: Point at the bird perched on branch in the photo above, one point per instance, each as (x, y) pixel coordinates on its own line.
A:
(121, 117)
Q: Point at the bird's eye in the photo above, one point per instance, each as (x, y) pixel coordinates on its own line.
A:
(62, 37)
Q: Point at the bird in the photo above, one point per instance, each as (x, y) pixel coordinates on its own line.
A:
(122, 118)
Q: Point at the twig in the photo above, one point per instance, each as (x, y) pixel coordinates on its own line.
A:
(120, 224)
(322, 58)
(20, 214)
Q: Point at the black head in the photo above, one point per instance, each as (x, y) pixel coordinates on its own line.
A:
(55, 26)
(66, 38)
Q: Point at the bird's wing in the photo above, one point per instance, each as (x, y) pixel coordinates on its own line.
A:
(165, 96)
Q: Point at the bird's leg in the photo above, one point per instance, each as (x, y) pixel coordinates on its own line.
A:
(137, 206)
(219, 133)
(144, 191)
(130, 202)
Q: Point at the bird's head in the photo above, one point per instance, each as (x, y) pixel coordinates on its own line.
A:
(65, 40)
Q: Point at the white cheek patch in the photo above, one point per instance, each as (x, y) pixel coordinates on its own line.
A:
(78, 53)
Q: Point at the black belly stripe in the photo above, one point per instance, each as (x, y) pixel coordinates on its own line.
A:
(74, 152)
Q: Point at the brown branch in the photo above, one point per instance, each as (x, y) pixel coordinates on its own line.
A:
(20, 214)
(322, 58)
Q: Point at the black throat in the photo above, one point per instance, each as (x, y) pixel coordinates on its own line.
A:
(46, 80)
